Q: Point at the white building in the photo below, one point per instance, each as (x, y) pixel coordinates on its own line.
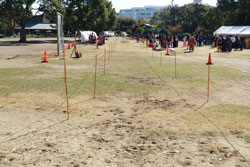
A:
(198, 1)
(136, 13)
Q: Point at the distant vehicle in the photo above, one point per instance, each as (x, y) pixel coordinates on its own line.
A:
(124, 34)
(109, 33)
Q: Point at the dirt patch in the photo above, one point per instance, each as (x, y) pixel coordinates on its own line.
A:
(18, 63)
(156, 104)
(148, 81)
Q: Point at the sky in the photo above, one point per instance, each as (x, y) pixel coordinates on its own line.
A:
(126, 4)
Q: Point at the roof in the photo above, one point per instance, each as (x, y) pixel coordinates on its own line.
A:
(39, 26)
(233, 30)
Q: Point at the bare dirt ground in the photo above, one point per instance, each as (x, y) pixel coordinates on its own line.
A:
(167, 128)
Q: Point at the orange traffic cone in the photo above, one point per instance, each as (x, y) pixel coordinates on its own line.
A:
(209, 60)
(154, 47)
(45, 57)
(68, 45)
(143, 41)
(73, 43)
(147, 43)
(167, 52)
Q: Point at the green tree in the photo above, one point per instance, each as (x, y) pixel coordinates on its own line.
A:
(210, 21)
(6, 17)
(192, 16)
(3, 28)
(234, 12)
(50, 8)
(244, 12)
(139, 30)
(125, 23)
(96, 15)
(21, 11)
(142, 20)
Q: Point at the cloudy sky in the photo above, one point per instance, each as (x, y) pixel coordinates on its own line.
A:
(124, 4)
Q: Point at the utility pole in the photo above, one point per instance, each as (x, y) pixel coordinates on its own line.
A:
(172, 3)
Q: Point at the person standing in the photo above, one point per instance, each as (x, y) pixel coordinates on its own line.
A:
(247, 43)
(184, 41)
(199, 40)
(241, 43)
(191, 42)
(219, 44)
(174, 41)
(229, 44)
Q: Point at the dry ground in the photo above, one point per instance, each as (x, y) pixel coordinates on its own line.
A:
(142, 115)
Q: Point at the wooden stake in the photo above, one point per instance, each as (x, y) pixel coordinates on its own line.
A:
(66, 86)
(73, 51)
(161, 58)
(175, 64)
(109, 54)
(208, 87)
(104, 61)
(95, 76)
(111, 49)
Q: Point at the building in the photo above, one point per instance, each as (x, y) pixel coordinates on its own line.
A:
(38, 25)
(139, 12)
(198, 1)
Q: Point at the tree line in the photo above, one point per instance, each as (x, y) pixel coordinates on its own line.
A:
(193, 18)
(99, 15)
(96, 15)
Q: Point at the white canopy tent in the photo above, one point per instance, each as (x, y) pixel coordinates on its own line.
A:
(84, 35)
(233, 30)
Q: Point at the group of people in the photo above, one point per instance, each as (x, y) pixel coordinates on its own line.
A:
(223, 44)
(100, 40)
(164, 40)
(171, 41)
(226, 44)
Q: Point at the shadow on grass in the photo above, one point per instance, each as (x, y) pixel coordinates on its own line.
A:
(17, 43)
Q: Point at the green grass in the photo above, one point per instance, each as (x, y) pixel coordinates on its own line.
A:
(232, 109)
(14, 80)
(50, 78)
(247, 139)
(231, 118)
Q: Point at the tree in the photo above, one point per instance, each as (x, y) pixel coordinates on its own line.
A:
(96, 15)
(182, 19)
(112, 16)
(6, 17)
(156, 18)
(125, 23)
(234, 12)
(50, 8)
(21, 11)
(139, 30)
(3, 28)
(142, 20)
(192, 16)
(244, 12)
(210, 21)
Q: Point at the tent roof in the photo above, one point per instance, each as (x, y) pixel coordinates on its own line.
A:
(39, 26)
(233, 30)
(246, 31)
